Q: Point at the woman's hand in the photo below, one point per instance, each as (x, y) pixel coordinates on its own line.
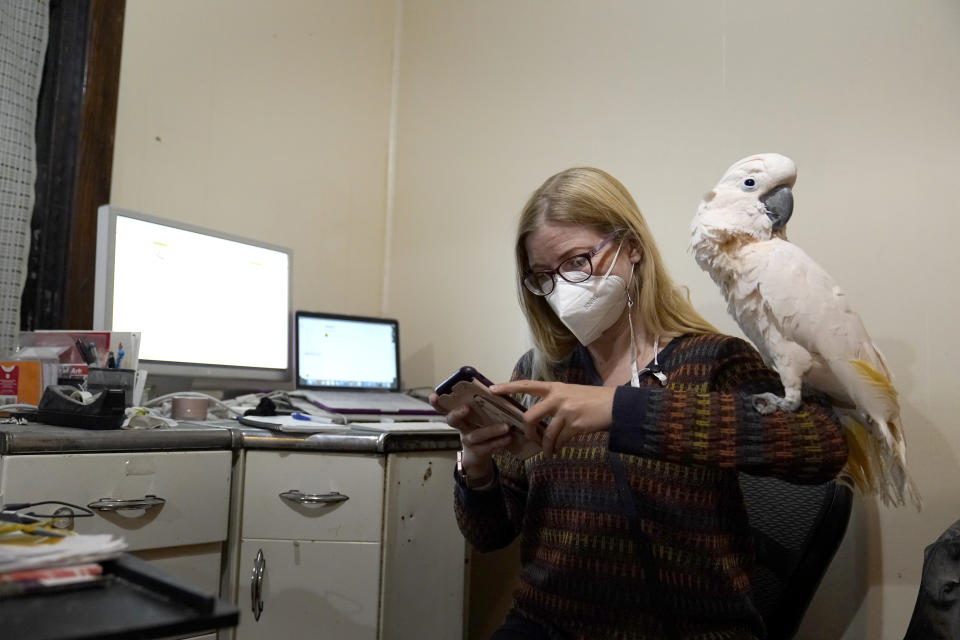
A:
(479, 443)
(573, 409)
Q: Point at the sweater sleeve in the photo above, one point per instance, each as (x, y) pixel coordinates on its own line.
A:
(491, 518)
(719, 425)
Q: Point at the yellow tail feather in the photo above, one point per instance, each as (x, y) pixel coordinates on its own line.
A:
(858, 468)
(879, 382)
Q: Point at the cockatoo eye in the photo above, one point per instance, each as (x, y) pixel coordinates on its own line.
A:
(749, 184)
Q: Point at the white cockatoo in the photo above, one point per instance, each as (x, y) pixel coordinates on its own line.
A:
(799, 319)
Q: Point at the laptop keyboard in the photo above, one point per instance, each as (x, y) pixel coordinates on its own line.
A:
(387, 402)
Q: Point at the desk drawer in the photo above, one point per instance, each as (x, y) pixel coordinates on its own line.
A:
(195, 486)
(358, 477)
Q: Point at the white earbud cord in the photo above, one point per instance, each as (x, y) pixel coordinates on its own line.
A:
(614, 263)
(634, 372)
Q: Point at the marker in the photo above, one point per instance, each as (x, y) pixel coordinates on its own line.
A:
(300, 416)
(120, 354)
(84, 352)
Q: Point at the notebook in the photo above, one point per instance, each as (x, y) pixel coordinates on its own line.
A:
(351, 365)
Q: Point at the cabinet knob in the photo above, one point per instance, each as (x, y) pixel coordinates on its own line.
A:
(115, 504)
(256, 584)
(314, 498)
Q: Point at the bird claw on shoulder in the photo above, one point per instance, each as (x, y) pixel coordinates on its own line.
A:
(766, 403)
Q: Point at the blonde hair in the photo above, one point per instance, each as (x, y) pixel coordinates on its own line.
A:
(595, 199)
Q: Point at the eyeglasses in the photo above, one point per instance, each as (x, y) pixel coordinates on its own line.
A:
(574, 269)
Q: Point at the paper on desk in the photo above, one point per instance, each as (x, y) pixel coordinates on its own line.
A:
(305, 406)
(17, 553)
(401, 427)
(290, 424)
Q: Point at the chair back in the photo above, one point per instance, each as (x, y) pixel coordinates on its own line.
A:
(797, 530)
(936, 614)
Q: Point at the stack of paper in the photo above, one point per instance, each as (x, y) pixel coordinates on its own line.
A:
(24, 551)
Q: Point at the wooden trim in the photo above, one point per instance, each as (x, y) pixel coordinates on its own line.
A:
(94, 164)
(58, 113)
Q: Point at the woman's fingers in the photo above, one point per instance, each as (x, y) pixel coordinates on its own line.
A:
(549, 441)
(481, 443)
(564, 435)
(533, 418)
(489, 447)
(572, 410)
(567, 410)
(536, 388)
(480, 435)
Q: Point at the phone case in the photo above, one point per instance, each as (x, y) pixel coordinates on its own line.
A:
(465, 373)
(468, 373)
(489, 408)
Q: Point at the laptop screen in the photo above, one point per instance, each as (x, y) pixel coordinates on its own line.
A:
(347, 352)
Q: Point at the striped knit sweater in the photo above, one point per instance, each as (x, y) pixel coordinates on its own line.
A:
(681, 446)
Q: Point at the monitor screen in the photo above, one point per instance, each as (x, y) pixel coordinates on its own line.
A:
(210, 306)
(347, 352)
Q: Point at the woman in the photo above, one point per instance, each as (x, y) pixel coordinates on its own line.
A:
(631, 518)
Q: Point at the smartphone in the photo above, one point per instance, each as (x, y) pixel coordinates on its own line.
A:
(469, 386)
(466, 374)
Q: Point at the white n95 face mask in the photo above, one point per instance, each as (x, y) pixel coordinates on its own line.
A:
(590, 307)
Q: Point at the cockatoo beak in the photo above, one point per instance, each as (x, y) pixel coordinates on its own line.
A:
(779, 204)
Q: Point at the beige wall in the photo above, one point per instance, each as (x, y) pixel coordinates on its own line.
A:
(495, 96)
(268, 120)
(273, 119)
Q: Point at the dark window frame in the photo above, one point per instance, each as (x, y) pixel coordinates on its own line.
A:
(76, 121)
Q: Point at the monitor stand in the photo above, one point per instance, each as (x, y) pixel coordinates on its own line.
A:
(161, 385)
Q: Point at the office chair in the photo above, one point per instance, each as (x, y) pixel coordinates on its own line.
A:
(936, 614)
(797, 530)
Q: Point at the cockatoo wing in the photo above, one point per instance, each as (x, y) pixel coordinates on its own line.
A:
(810, 309)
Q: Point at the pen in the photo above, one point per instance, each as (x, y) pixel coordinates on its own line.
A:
(29, 524)
(94, 358)
(84, 352)
(120, 354)
(300, 416)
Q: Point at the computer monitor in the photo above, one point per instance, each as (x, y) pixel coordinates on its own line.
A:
(213, 308)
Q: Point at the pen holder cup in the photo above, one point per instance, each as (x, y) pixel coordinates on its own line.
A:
(100, 379)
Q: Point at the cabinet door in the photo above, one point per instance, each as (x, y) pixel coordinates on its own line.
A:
(424, 551)
(323, 590)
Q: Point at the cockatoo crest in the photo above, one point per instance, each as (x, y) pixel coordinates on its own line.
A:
(799, 318)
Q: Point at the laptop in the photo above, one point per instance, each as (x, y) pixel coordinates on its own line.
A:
(351, 365)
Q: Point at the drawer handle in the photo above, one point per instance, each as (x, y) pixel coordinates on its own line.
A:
(256, 584)
(314, 498)
(114, 504)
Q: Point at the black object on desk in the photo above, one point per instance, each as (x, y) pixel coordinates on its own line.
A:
(137, 601)
(59, 407)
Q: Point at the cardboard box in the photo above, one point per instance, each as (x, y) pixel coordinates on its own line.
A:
(21, 382)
